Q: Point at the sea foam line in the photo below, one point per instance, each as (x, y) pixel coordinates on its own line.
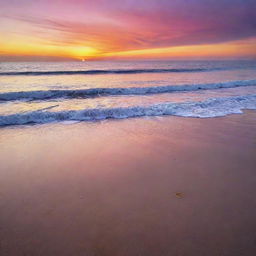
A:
(97, 92)
(107, 71)
(209, 108)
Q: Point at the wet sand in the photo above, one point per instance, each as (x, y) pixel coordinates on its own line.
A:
(138, 187)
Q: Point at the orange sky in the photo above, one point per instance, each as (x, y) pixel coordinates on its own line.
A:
(100, 29)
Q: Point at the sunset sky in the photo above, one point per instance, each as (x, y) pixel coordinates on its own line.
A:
(101, 29)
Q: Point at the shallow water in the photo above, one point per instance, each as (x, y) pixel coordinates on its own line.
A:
(33, 88)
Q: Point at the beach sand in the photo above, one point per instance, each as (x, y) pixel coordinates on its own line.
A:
(138, 187)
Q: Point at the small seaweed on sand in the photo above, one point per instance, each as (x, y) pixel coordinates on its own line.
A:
(179, 195)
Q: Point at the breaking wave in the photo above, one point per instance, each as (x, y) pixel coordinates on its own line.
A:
(97, 92)
(107, 71)
(209, 108)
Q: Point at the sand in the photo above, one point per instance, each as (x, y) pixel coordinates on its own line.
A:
(138, 187)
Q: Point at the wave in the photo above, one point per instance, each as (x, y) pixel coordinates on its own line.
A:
(209, 108)
(97, 92)
(107, 71)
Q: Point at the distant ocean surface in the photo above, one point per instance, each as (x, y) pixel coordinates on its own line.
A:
(36, 93)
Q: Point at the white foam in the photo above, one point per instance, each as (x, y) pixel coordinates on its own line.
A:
(204, 109)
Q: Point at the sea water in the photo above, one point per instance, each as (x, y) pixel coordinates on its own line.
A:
(42, 92)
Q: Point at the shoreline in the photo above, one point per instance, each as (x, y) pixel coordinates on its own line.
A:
(141, 186)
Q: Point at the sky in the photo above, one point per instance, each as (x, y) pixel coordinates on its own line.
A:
(127, 29)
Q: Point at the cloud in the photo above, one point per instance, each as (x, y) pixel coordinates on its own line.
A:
(130, 25)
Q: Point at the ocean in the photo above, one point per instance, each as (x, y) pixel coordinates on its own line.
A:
(128, 158)
(46, 92)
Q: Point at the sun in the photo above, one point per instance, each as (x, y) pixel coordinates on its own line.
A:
(83, 52)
